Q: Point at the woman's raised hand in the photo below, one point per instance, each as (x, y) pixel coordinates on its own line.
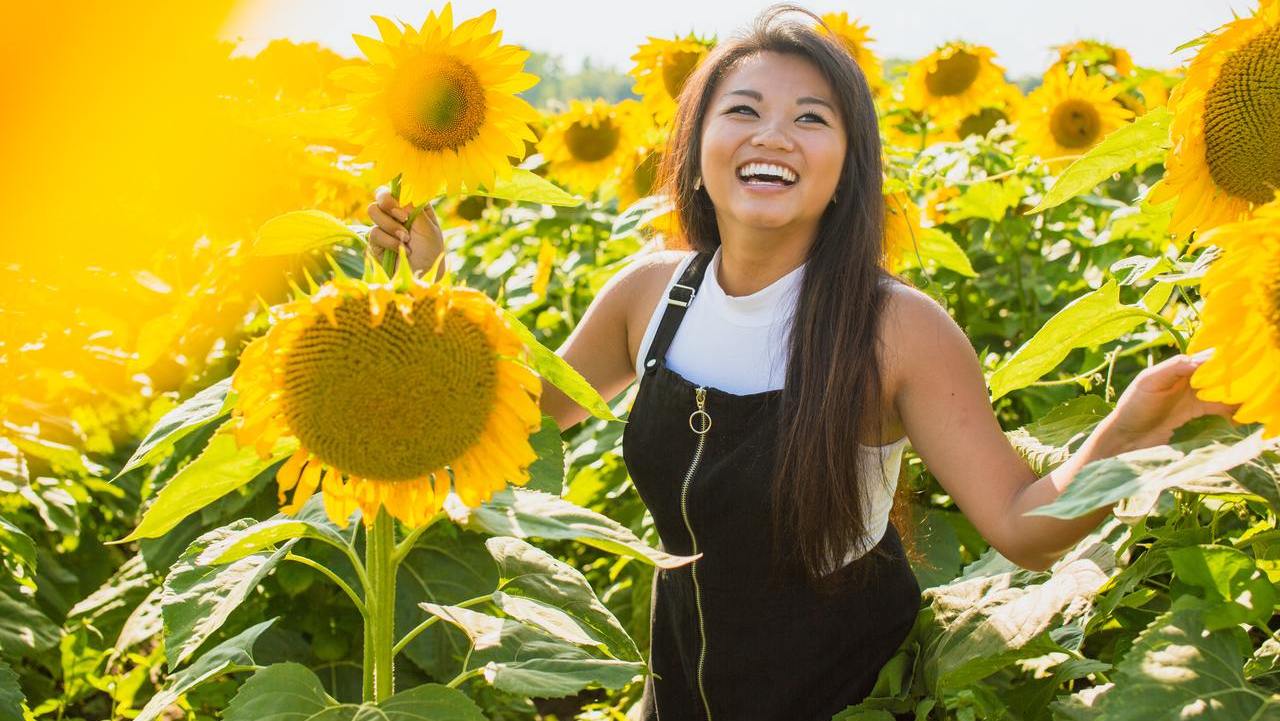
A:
(423, 242)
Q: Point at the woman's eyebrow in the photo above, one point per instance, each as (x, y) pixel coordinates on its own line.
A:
(810, 100)
(753, 94)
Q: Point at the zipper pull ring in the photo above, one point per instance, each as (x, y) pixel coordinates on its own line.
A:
(704, 425)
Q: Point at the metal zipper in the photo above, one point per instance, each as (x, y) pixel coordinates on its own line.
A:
(704, 425)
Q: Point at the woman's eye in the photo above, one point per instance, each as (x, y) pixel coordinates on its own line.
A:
(740, 108)
(814, 116)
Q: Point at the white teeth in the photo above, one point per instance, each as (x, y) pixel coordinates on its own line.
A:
(751, 169)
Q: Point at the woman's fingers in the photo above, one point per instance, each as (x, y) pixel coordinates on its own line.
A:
(380, 240)
(387, 220)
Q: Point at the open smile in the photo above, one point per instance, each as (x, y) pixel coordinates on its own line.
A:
(767, 174)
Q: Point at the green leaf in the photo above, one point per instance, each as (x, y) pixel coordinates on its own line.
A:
(220, 468)
(311, 522)
(639, 214)
(546, 474)
(1090, 320)
(1139, 477)
(532, 573)
(17, 546)
(234, 654)
(11, 697)
(1145, 139)
(937, 248)
(522, 660)
(988, 200)
(522, 513)
(1050, 440)
(1177, 670)
(197, 411)
(300, 231)
(198, 596)
(291, 692)
(24, 630)
(1230, 577)
(553, 368)
(526, 186)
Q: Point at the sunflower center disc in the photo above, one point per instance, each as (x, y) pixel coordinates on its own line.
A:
(953, 75)
(1075, 124)
(437, 103)
(590, 143)
(1242, 121)
(390, 403)
(676, 68)
(981, 122)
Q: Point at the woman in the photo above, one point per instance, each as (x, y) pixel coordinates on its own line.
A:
(782, 372)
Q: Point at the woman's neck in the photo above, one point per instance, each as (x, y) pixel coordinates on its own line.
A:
(751, 262)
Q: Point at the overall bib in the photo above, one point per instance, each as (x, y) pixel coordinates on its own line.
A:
(731, 642)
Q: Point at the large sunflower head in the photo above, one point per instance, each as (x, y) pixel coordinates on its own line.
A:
(1067, 116)
(954, 80)
(1095, 57)
(585, 145)
(1226, 126)
(438, 104)
(661, 67)
(1241, 319)
(856, 38)
(384, 387)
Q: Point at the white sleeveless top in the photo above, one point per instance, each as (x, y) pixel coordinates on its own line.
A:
(739, 344)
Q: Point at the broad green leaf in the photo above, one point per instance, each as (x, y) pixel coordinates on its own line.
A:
(546, 474)
(1229, 577)
(1145, 139)
(279, 692)
(197, 411)
(522, 513)
(522, 660)
(553, 368)
(532, 573)
(937, 248)
(1177, 670)
(11, 697)
(24, 630)
(988, 200)
(1049, 440)
(447, 565)
(222, 467)
(984, 621)
(234, 654)
(1090, 320)
(639, 214)
(526, 186)
(311, 522)
(300, 231)
(63, 458)
(1139, 477)
(17, 546)
(198, 596)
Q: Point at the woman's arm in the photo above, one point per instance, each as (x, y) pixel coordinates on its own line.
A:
(942, 398)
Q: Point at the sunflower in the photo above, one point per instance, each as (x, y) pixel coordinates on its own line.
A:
(438, 104)
(661, 67)
(588, 143)
(954, 80)
(1241, 319)
(1068, 116)
(855, 37)
(1095, 57)
(1226, 126)
(901, 229)
(383, 387)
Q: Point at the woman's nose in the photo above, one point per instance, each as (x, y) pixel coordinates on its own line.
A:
(770, 135)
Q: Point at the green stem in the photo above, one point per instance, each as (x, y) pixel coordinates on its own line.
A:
(380, 546)
(1164, 323)
(406, 544)
(460, 678)
(431, 621)
(337, 580)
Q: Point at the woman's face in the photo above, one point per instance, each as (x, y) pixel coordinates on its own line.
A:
(773, 144)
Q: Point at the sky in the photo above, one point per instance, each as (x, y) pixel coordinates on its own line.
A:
(1021, 32)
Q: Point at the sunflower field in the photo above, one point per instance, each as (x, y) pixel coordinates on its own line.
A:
(250, 472)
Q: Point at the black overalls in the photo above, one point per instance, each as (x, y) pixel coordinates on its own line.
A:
(725, 645)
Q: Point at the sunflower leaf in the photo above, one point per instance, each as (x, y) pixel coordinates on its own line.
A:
(562, 375)
(1145, 139)
(221, 467)
(524, 185)
(1090, 320)
(298, 232)
(938, 248)
(197, 411)
(11, 697)
(234, 654)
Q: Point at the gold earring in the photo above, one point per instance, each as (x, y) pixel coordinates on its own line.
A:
(697, 184)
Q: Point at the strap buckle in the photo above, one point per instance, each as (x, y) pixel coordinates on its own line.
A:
(671, 297)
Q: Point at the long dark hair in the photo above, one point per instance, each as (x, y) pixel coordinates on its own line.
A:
(832, 391)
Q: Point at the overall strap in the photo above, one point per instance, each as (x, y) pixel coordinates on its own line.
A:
(678, 301)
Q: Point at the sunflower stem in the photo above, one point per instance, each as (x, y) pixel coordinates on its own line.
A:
(1164, 323)
(337, 580)
(379, 548)
(406, 544)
